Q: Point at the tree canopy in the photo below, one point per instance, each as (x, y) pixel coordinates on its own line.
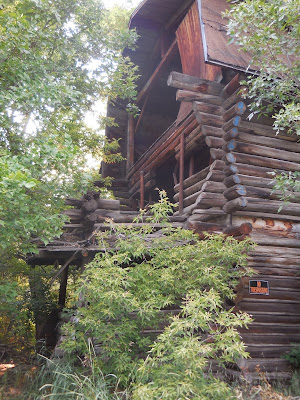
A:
(270, 31)
(272, 38)
(57, 58)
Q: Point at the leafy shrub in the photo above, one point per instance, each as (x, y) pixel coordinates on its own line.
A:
(294, 356)
(126, 290)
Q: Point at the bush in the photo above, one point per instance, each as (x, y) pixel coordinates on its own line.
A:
(125, 289)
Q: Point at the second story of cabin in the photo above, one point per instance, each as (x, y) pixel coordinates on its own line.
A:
(193, 137)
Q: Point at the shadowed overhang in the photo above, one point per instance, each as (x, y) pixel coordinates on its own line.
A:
(153, 16)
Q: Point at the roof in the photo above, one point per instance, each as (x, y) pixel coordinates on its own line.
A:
(215, 39)
(151, 16)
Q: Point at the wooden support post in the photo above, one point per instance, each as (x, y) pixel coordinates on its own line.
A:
(63, 287)
(130, 142)
(192, 165)
(175, 174)
(181, 173)
(142, 190)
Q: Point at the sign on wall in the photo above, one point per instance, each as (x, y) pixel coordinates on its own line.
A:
(259, 287)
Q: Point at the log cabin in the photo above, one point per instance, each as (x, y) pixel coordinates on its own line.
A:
(193, 138)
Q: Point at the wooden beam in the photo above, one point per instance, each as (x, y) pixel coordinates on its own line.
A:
(62, 268)
(191, 165)
(187, 95)
(130, 142)
(253, 160)
(181, 173)
(141, 114)
(63, 287)
(192, 83)
(142, 190)
(231, 86)
(158, 71)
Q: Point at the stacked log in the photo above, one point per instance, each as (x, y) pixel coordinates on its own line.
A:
(277, 315)
(251, 156)
(251, 152)
(203, 190)
(90, 209)
(239, 184)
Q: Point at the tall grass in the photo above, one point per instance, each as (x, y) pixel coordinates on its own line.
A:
(62, 380)
(70, 384)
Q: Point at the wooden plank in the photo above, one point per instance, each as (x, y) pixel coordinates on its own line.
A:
(263, 130)
(209, 119)
(191, 83)
(231, 86)
(193, 179)
(235, 97)
(196, 133)
(275, 294)
(255, 214)
(274, 143)
(190, 46)
(186, 95)
(181, 173)
(250, 170)
(284, 282)
(214, 142)
(210, 200)
(212, 131)
(237, 109)
(253, 149)
(217, 154)
(248, 180)
(242, 158)
(272, 241)
(265, 327)
(130, 143)
(207, 108)
(254, 304)
(195, 188)
(266, 205)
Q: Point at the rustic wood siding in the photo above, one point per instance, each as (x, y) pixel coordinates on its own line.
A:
(191, 48)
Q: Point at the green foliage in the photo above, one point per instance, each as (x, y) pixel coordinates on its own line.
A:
(294, 356)
(269, 31)
(25, 299)
(71, 382)
(288, 184)
(129, 288)
(57, 379)
(175, 368)
(15, 317)
(57, 59)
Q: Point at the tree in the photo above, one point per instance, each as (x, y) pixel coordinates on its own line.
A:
(272, 37)
(57, 58)
(270, 31)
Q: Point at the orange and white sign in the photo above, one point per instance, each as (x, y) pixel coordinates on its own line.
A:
(259, 287)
